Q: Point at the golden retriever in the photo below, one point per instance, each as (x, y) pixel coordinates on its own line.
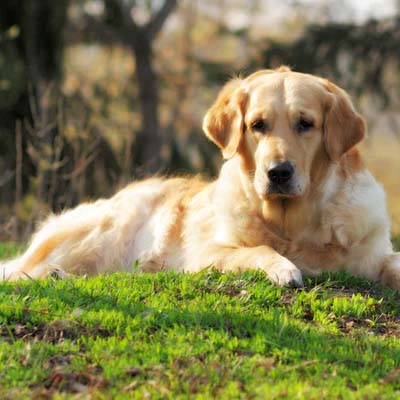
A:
(293, 197)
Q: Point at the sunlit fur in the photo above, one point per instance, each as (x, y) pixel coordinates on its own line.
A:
(333, 217)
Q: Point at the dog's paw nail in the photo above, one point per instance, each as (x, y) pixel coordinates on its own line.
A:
(296, 283)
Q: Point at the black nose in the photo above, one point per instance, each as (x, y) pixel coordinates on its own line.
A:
(281, 173)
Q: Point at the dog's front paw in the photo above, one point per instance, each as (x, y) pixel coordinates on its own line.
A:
(285, 273)
(390, 271)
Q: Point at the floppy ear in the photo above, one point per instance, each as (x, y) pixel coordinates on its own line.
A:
(223, 123)
(343, 127)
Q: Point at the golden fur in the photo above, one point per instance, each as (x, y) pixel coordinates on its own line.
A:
(330, 214)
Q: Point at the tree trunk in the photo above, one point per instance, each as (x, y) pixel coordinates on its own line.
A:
(149, 142)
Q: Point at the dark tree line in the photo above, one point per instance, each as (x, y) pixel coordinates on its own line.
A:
(32, 42)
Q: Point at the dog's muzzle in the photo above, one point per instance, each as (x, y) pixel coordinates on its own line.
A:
(281, 176)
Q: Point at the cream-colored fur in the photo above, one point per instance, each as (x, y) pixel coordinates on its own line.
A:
(333, 217)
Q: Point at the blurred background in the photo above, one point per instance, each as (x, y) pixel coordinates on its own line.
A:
(95, 93)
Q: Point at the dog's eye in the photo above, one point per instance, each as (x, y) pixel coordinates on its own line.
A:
(303, 126)
(259, 126)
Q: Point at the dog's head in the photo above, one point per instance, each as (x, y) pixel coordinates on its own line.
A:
(278, 121)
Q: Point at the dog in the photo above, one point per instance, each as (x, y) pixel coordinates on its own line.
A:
(293, 197)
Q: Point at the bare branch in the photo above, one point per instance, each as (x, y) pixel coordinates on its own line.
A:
(126, 14)
(154, 26)
(131, 33)
(128, 24)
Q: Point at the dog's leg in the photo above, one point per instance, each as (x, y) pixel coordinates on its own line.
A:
(72, 242)
(49, 254)
(17, 268)
(277, 268)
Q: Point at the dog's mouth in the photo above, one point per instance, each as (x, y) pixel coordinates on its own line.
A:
(287, 189)
(269, 189)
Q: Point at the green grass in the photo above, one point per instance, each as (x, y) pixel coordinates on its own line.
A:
(207, 335)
